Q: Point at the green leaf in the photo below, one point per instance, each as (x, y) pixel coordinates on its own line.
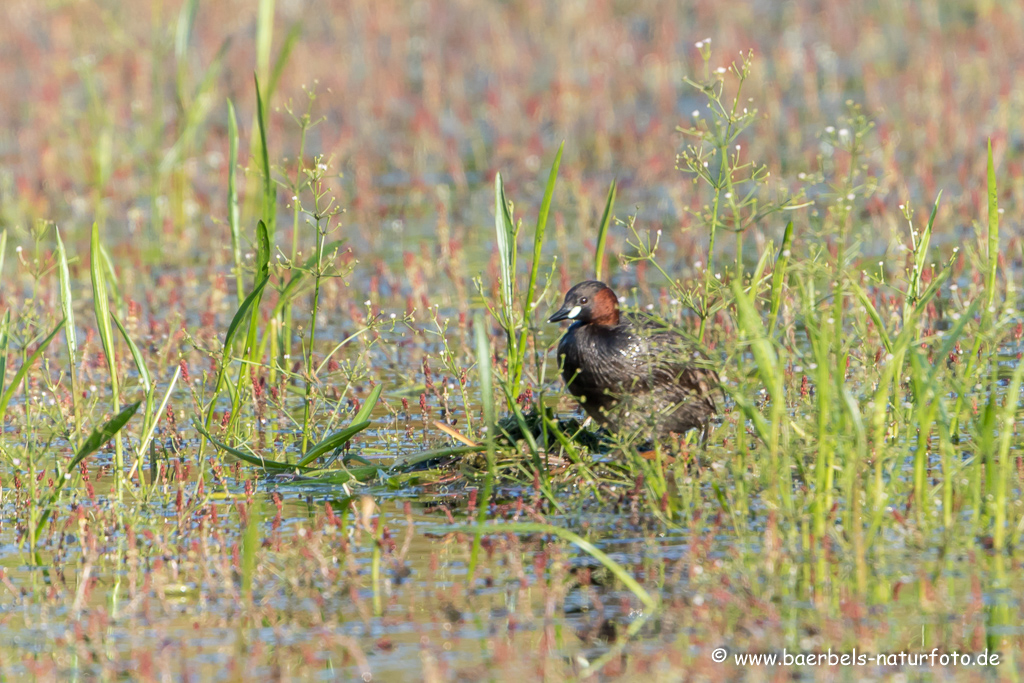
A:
(5, 344)
(538, 245)
(926, 236)
(236, 321)
(3, 250)
(263, 272)
(294, 32)
(337, 477)
(602, 234)
(66, 299)
(262, 249)
(183, 32)
(542, 222)
(68, 308)
(5, 398)
(405, 462)
(993, 234)
(96, 439)
(269, 196)
(101, 304)
(505, 231)
(140, 364)
(873, 313)
(233, 210)
(104, 434)
(242, 455)
(335, 440)
(369, 404)
(779, 276)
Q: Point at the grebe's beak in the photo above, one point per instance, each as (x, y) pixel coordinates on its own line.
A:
(566, 312)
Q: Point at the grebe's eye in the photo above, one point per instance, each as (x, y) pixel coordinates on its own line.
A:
(583, 300)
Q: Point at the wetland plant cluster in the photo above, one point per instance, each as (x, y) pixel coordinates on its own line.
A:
(223, 480)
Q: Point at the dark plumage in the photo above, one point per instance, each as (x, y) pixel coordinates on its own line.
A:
(631, 372)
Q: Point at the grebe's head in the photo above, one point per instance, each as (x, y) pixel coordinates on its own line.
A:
(589, 302)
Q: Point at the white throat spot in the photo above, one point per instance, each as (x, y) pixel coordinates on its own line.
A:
(575, 311)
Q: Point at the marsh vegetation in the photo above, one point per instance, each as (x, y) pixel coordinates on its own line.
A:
(278, 399)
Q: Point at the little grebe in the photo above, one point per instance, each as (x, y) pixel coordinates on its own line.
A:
(628, 371)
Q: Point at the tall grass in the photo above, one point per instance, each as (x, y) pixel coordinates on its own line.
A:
(101, 306)
(233, 210)
(858, 476)
(602, 233)
(513, 315)
(70, 333)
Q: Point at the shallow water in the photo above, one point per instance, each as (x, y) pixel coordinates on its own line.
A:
(423, 103)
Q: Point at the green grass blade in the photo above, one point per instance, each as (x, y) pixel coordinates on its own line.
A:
(873, 313)
(102, 309)
(337, 477)
(538, 235)
(147, 382)
(926, 235)
(483, 359)
(993, 234)
(602, 234)
(264, 34)
(5, 345)
(113, 285)
(66, 299)
(144, 444)
(294, 32)
(1004, 475)
(779, 277)
(229, 338)
(240, 314)
(951, 337)
(335, 440)
(67, 307)
(758, 275)
(263, 273)
(5, 398)
(263, 243)
(505, 231)
(504, 228)
(408, 461)
(250, 349)
(183, 30)
(233, 210)
(538, 245)
(990, 287)
(140, 364)
(752, 330)
(242, 455)
(269, 195)
(3, 251)
(111, 429)
(104, 434)
(753, 334)
(369, 404)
